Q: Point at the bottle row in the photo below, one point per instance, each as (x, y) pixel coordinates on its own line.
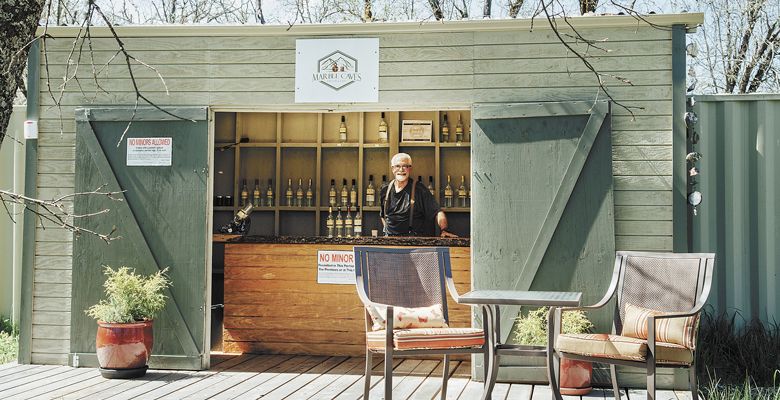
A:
(416, 128)
(345, 196)
(344, 226)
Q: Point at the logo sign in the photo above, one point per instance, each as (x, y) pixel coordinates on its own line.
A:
(337, 70)
(336, 267)
(151, 151)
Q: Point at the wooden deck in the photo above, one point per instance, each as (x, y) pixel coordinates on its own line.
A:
(270, 377)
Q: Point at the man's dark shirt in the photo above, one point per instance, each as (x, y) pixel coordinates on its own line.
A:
(397, 215)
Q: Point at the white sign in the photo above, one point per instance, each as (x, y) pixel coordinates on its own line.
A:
(337, 70)
(336, 267)
(152, 151)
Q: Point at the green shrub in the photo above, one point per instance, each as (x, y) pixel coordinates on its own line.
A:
(732, 353)
(9, 340)
(8, 326)
(715, 390)
(531, 329)
(130, 296)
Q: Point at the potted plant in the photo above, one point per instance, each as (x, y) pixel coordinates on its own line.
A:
(124, 336)
(531, 329)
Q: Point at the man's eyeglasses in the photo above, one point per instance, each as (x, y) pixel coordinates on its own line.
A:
(400, 166)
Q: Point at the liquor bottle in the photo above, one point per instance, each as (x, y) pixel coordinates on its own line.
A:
(339, 223)
(353, 194)
(329, 222)
(462, 192)
(241, 221)
(256, 200)
(445, 130)
(448, 194)
(430, 186)
(299, 194)
(344, 193)
(229, 201)
(288, 194)
(459, 130)
(269, 194)
(384, 181)
(309, 195)
(468, 199)
(419, 179)
(370, 192)
(244, 194)
(343, 130)
(332, 193)
(382, 129)
(348, 227)
(358, 223)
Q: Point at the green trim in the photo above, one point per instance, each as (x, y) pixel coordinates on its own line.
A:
(30, 190)
(679, 143)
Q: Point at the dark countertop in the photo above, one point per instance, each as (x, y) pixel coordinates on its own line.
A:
(382, 241)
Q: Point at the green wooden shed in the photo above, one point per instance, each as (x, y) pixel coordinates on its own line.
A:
(586, 176)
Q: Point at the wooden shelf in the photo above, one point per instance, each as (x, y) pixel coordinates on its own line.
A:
(416, 144)
(293, 145)
(341, 145)
(455, 144)
(256, 144)
(456, 209)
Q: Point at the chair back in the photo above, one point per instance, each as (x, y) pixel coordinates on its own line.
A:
(404, 277)
(662, 281)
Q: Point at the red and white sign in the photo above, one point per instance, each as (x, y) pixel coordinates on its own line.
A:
(336, 267)
(151, 151)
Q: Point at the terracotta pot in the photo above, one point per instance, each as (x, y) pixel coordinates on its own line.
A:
(575, 377)
(124, 347)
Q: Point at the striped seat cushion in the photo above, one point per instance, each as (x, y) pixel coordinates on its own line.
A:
(428, 338)
(622, 348)
(680, 331)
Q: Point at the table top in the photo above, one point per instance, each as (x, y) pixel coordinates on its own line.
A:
(521, 298)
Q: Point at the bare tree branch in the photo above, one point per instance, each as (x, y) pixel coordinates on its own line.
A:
(56, 212)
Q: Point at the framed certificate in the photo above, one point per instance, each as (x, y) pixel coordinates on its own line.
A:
(416, 130)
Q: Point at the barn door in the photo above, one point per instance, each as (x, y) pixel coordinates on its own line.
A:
(162, 221)
(542, 192)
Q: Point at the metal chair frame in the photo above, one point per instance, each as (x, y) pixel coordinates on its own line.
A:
(704, 272)
(362, 271)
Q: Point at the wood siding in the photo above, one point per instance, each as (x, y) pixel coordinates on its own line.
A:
(422, 67)
(273, 303)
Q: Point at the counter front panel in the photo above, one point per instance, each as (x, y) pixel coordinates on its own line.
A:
(273, 303)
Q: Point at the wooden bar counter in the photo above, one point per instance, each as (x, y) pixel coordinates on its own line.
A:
(273, 303)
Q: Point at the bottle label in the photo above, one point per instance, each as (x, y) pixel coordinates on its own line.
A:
(370, 198)
(329, 223)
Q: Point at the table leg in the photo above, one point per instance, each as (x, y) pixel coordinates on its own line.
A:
(553, 362)
(491, 372)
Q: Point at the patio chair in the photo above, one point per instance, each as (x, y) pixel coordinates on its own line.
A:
(404, 289)
(655, 321)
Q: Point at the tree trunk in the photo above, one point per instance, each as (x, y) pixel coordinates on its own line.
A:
(436, 8)
(588, 6)
(514, 7)
(18, 21)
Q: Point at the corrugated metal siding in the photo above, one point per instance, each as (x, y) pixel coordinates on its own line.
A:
(739, 137)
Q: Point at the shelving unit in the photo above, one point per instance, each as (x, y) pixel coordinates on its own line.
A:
(281, 146)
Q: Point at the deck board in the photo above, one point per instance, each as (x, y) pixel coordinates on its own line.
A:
(276, 377)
